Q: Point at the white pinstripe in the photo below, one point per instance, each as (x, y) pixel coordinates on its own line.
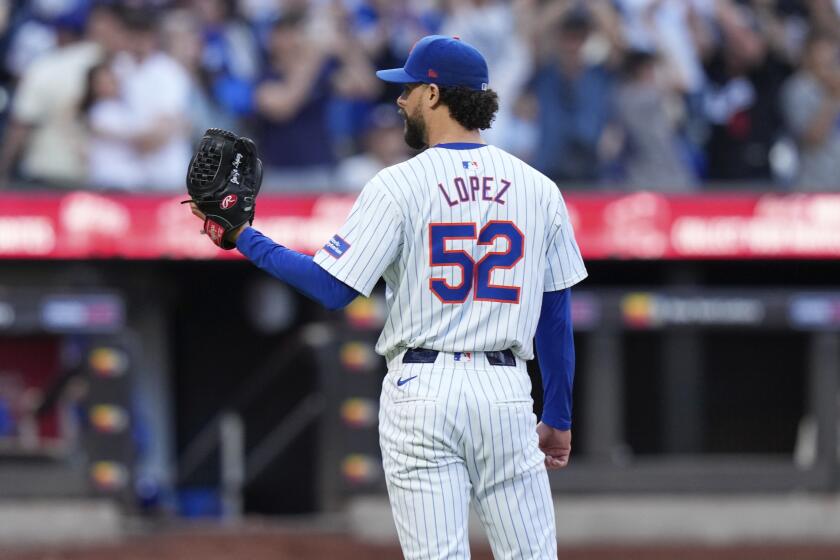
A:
(461, 431)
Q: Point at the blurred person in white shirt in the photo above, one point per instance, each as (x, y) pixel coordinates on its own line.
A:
(44, 134)
(36, 27)
(667, 26)
(811, 105)
(182, 39)
(156, 88)
(651, 155)
(113, 159)
(494, 28)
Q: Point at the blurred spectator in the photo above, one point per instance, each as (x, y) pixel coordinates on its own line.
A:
(825, 16)
(481, 23)
(17, 404)
(388, 29)
(744, 81)
(784, 25)
(678, 31)
(6, 78)
(9, 394)
(383, 146)
(651, 151)
(44, 131)
(257, 12)
(229, 55)
(39, 26)
(156, 90)
(712, 96)
(394, 25)
(573, 88)
(113, 160)
(183, 41)
(348, 108)
(523, 129)
(668, 27)
(811, 102)
(303, 75)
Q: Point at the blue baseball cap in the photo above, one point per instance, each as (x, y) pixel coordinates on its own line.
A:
(441, 60)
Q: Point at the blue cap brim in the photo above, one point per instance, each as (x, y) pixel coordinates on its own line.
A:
(396, 75)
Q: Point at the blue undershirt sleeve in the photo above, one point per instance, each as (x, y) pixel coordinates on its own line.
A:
(296, 269)
(556, 352)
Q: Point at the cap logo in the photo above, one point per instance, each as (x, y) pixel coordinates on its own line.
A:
(432, 73)
(484, 86)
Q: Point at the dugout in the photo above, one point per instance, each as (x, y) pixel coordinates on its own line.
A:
(69, 424)
(680, 388)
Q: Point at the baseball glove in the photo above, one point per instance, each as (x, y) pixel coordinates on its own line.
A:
(223, 181)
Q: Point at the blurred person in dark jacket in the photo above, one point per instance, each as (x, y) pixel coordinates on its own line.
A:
(573, 87)
(811, 104)
(744, 79)
(387, 29)
(303, 74)
(229, 54)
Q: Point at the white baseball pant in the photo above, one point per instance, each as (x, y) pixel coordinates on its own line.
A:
(461, 430)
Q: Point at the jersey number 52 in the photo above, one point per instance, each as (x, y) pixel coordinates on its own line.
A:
(475, 275)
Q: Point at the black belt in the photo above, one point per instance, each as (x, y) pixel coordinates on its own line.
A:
(423, 356)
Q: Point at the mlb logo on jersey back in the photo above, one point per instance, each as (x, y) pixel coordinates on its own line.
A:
(336, 246)
(463, 356)
(471, 165)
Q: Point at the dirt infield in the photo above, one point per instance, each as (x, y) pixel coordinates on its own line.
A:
(304, 545)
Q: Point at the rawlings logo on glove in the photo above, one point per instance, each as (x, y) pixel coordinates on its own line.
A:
(228, 201)
(223, 181)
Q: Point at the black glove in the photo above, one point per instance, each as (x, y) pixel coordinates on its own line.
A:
(223, 181)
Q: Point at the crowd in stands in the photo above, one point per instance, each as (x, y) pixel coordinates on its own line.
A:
(667, 95)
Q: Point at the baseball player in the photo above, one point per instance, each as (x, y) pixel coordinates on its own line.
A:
(478, 256)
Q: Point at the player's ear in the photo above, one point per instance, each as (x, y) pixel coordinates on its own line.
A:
(432, 96)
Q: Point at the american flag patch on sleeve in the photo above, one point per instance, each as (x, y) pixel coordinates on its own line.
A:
(336, 246)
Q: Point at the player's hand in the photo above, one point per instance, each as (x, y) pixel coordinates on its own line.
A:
(196, 212)
(234, 235)
(556, 444)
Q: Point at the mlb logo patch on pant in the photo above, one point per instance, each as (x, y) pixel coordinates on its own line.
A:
(463, 356)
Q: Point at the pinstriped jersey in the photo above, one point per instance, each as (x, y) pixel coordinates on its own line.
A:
(467, 238)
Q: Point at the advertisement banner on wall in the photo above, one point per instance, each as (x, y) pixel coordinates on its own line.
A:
(647, 226)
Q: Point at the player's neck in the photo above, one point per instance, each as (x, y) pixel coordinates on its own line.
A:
(453, 135)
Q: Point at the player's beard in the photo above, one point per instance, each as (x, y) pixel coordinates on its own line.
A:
(415, 130)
